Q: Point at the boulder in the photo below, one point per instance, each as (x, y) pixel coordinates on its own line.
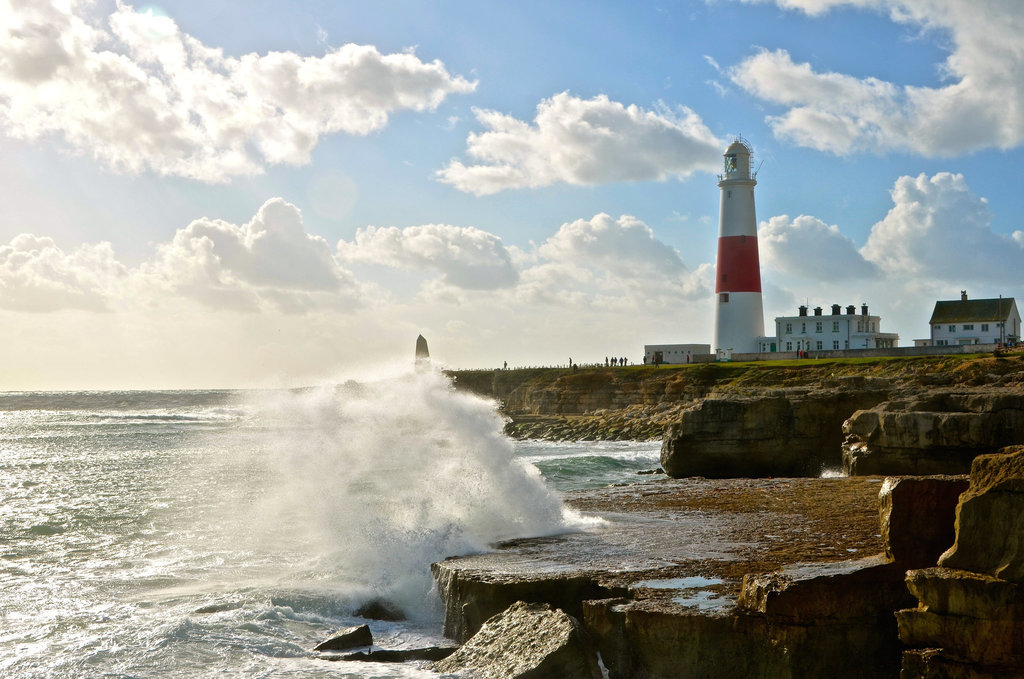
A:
(344, 639)
(990, 519)
(771, 432)
(527, 641)
(931, 663)
(916, 515)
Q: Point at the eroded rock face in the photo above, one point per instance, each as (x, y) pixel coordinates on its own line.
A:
(777, 432)
(526, 641)
(916, 515)
(972, 607)
(934, 433)
(990, 519)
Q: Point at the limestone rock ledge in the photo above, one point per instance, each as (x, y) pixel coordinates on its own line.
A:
(770, 432)
(937, 432)
(719, 578)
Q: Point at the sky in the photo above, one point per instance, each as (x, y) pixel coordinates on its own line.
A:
(226, 194)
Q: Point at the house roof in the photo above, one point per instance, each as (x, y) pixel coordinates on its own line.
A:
(960, 311)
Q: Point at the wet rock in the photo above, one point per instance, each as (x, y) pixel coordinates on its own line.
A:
(378, 609)
(933, 433)
(344, 639)
(527, 641)
(990, 519)
(930, 663)
(916, 515)
(429, 653)
(473, 595)
(775, 432)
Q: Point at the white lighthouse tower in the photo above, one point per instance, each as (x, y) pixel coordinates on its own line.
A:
(739, 313)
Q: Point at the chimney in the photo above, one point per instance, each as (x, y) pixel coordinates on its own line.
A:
(836, 310)
(817, 311)
(864, 309)
(803, 311)
(851, 310)
(963, 295)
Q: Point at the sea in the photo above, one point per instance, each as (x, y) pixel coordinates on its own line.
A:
(226, 533)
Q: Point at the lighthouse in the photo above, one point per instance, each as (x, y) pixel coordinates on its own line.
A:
(739, 313)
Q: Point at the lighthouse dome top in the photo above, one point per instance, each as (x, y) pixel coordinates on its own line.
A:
(737, 162)
(737, 147)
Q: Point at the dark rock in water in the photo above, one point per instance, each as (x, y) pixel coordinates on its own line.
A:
(217, 608)
(430, 653)
(380, 610)
(422, 354)
(916, 514)
(527, 641)
(344, 639)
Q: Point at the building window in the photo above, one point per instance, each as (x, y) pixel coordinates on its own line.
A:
(818, 346)
(789, 346)
(835, 344)
(952, 328)
(984, 327)
(789, 328)
(835, 327)
(860, 326)
(817, 327)
(968, 326)
(803, 328)
(723, 298)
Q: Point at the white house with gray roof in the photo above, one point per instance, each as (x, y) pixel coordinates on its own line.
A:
(975, 321)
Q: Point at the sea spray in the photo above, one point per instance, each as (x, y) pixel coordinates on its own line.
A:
(372, 482)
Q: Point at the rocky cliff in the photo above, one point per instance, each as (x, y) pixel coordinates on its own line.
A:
(902, 416)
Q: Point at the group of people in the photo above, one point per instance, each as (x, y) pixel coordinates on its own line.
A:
(615, 362)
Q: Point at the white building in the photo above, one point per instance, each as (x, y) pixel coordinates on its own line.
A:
(739, 314)
(837, 331)
(674, 353)
(975, 321)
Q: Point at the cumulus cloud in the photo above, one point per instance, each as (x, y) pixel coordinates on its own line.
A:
(938, 229)
(36, 275)
(139, 94)
(982, 107)
(611, 258)
(582, 141)
(269, 259)
(808, 247)
(465, 257)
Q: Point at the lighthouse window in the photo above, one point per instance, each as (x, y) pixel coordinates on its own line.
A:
(789, 328)
(835, 327)
(817, 327)
(723, 297)
(728, 194)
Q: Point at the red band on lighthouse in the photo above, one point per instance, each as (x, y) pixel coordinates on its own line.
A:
(738, 268)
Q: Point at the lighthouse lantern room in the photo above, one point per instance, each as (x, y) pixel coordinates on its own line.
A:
(739, 313)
